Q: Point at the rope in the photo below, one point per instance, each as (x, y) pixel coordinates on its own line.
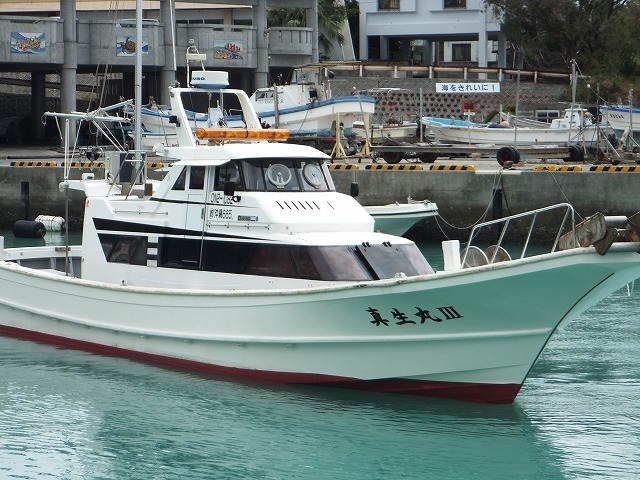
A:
(497, 181)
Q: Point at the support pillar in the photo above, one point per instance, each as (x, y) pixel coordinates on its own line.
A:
(483, 45)
(38, 107)
(70, 66)
(312, 22)
(261, 75)
(502, 50)
(168, 73)
(384, 48)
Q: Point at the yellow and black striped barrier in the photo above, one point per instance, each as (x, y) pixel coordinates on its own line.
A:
(558, 168)
(343, 166)
(85, 164)
(34, 164)
(613, 168)
(376, 166)
(453, 167)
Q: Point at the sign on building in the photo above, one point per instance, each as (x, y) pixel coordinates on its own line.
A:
(467, 87)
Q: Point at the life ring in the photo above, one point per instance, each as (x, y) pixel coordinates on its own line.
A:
(507, 155)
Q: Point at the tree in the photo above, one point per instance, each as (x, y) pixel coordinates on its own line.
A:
(552, 33)
(331, 16)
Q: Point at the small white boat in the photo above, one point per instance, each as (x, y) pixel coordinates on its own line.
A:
(307, 108)
(398, 218)
(245, 261)
(623, 119)
(576, 126)
(378, 133)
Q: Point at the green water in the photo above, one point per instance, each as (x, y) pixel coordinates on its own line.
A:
(66, 414)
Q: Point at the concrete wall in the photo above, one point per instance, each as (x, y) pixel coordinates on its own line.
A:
(463, 197)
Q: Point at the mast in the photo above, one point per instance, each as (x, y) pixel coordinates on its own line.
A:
(138, 84)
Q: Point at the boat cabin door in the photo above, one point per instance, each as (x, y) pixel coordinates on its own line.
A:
(196, 198)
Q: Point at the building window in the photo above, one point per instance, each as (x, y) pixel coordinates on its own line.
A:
(461, 52)
(455, 4)
(388, 4)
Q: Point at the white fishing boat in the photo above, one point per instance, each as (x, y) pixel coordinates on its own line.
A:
(397, 218)
(307, 108)
(576, 126)
(404, 131)
(244, 261)
(623, 119)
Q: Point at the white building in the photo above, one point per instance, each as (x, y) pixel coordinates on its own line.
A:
(431, 32)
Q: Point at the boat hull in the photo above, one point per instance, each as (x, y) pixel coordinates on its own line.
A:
(398, 218)
(471, 335)
(319, 117)
(511, 136)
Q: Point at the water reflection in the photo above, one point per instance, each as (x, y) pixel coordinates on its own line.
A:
(73, 415)
(70, 414)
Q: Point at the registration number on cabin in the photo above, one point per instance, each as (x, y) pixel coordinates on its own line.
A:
(220, 214)
(219, 198)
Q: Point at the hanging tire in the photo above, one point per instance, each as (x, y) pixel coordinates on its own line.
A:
(576, 153)
(392, 157)
(507, 155)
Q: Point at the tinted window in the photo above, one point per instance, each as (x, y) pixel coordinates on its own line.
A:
(229, 172)
(179, 252)
(330, 263)
(180, 182)
(196, 178)
(388, 260)
(125, 249)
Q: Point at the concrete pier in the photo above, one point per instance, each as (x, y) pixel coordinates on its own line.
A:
(467, 197)
(464, 197)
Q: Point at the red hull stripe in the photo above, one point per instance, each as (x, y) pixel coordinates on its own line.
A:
(471, 392)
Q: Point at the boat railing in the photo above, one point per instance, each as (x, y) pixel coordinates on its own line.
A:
(474, 256)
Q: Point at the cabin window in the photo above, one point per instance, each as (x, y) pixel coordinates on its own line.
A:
(313, 176)
(280, 176)
(547, 115)
(277, 174)
(124, 249)
(254, 179)
(227, 257)
(329, 263)
(388, 260)
(229, 172)
(196, 178)
(179, 253)
(271, 260)
(180, 182)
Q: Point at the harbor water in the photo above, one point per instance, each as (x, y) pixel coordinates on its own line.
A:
(67, 414)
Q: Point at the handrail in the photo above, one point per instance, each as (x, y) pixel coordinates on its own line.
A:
(569, 216)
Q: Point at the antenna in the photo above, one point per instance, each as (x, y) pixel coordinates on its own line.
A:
(193, 55)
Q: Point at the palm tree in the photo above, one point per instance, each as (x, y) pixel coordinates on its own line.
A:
(331, 16)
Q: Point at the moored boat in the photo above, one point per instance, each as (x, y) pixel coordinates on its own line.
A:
(623, 119)
(576, 126)
(244, 260)
(397, 218)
